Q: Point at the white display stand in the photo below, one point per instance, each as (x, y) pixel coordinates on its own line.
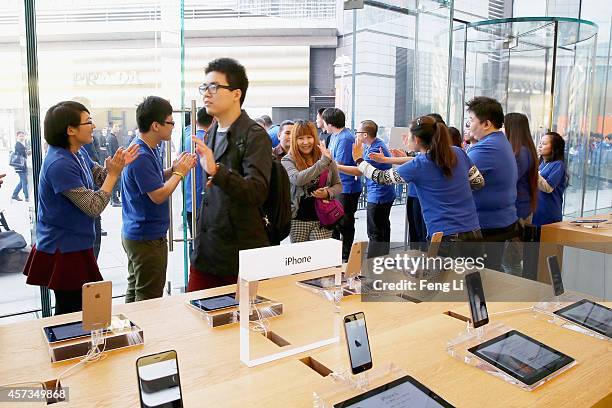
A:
(548, 308)
(458, 348)
(278, 262)
(121, 334)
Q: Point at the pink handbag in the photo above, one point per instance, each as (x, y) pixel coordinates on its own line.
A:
(328, 211)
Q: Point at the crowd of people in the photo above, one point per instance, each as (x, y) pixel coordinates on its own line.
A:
(483, 191)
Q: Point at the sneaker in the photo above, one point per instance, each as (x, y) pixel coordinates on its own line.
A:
(16, 198)
(103, 233)
(116, 204)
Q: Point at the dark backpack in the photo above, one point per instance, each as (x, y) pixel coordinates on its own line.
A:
(276, 210)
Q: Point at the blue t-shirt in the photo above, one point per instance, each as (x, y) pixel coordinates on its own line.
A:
(447, 202)
(496, 201)
(142, 218)
(524, 161)
(200, 133)
(549, 207)
(61, 224)
(378, 193)
(341, 148)
(273, 133)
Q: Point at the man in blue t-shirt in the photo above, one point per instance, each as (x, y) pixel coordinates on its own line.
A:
(266, 122)
(146, 187)
(203, 123)
(341, 147)
(380, 197)
(494, 158)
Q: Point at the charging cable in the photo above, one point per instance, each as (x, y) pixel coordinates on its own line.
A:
(94, 354)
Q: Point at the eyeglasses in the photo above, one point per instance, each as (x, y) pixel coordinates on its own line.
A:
(89, 122)
(170, 122)
(213, 88)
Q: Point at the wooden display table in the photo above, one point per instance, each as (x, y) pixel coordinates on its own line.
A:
(554, 236)
(412, 335)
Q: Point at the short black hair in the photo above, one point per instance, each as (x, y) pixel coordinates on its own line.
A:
(203, 118)
(370, 127)
(334, 117)
(152, 109)
(485, 108)
(234, 73)
(285, 123)
(437, 117)
(320, 111)
(57, 120)
(266, 120)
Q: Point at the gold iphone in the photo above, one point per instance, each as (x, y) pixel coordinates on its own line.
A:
(97, 305)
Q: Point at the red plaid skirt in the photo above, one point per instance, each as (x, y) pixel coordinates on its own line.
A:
(62, 271)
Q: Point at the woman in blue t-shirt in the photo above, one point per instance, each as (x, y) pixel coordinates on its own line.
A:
(552, 179)
(443, 176)
(68, 203)
(516, 126)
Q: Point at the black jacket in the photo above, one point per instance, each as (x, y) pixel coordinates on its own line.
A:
(113, 144)
(230, 219)
(21, 150)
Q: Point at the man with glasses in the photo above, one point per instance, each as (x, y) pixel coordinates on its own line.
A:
(146, 188)
(237, 161)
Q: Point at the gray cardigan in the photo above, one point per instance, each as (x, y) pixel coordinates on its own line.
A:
(299, 179)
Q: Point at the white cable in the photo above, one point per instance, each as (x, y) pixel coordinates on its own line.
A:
(93, 354)
(261, 324)
(512, 311)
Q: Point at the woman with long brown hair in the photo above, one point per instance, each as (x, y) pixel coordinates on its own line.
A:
(443, 175)
(517, 130)
(307, 161)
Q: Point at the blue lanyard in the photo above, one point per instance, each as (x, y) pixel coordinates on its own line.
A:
(157, 156)
(88, 178)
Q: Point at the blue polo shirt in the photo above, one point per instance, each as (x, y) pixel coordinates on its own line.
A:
(496, 201)
(549, 208)
(142, 218)
(524, 161)
(341, 148)
(378, 193)
(198, 172)
(273, 133)
(447, 202)
(60, 224)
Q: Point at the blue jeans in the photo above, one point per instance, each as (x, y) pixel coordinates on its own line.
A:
(22, 185)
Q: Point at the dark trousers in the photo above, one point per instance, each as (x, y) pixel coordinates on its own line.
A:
(22, 185)
(494, 243)
(417, 230)
(379, 229)
(346, 226)
(68, 301)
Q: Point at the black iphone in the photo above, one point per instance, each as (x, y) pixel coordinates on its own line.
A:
(555, 274)
(476, 299)
(357, 342)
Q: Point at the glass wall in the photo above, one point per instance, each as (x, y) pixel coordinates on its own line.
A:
(16, 193)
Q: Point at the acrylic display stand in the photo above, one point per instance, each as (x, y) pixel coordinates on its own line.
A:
(548, 308)
(342, 385)
(458, 348)
(121, 334)
(265, 307)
